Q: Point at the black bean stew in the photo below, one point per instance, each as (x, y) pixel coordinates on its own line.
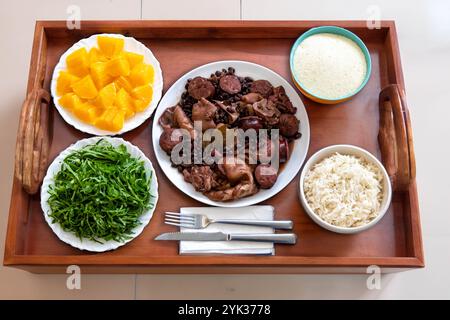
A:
(227, 101)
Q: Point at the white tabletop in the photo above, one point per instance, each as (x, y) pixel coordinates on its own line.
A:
(424, 36)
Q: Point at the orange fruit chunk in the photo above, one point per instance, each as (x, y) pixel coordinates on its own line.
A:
(112, 119)
(123, 83)
(118, 121)
(99, 75)
(142, 74)
(110, 46)
(106, 96)
(69, 101)
(140, 105)
(96, 56)
(86, 112)
(143, 96)
(117, 67)
(104, 122)
(125, 103)
(133, 58)
(85, 88)
(64, 83)
(143, 92)
(78, 62)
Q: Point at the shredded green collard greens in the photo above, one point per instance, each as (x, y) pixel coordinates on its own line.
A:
(100, 193)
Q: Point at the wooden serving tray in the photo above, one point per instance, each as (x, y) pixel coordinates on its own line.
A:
(393, 244)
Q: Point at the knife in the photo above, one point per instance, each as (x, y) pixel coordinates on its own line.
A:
(288, 238)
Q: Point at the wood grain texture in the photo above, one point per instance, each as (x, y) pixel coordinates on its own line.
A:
(395, 137)
(33, 140)
(395, 243)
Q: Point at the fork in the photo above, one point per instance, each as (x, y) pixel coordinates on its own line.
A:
(200, 221)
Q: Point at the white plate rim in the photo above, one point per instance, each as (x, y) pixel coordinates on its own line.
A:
(129, 124)
(264, 194)
(86, 244)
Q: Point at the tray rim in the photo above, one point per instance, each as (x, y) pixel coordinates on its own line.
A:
(188, 263)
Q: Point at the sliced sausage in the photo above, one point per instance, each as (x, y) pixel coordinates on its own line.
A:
(200, 87)
(263, 87)
(288, 125)
(251, 122)
(170, 138)
(230, 84)
(266, 175)
(283, 149)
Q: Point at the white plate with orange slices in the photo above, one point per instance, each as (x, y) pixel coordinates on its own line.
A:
(107, 84)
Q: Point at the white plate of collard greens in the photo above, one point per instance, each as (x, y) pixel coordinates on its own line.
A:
(244, 70)
(99, 193)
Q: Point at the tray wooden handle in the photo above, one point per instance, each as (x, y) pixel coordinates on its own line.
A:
(33, 140)
(395, 137)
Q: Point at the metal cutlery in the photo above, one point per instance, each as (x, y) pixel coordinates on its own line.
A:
(286, 238)
(200, 221)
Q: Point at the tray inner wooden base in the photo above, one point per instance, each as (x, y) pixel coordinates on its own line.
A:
(353, 122)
